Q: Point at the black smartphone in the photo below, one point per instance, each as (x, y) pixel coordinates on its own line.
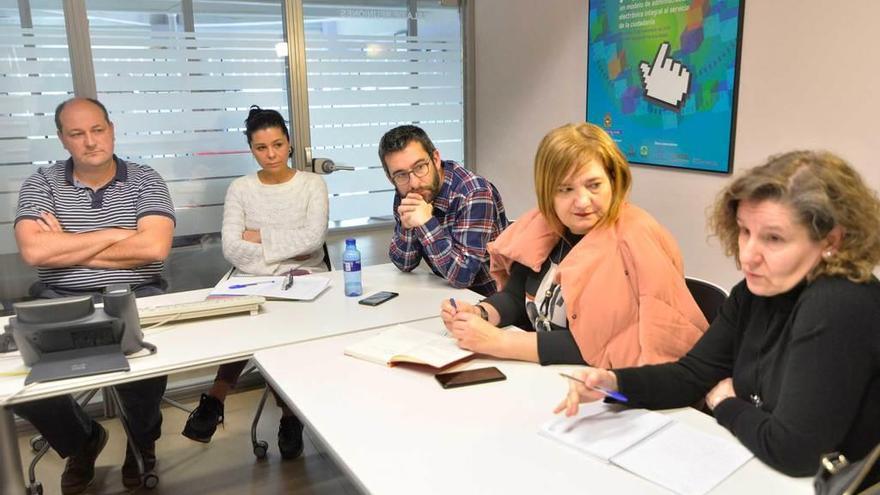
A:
(469, 377)
(378, 298)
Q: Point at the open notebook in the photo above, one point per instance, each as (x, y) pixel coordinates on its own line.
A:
(650, 445)
(403, 344)
(304, 287)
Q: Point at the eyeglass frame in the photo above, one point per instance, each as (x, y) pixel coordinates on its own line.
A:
(400, 174)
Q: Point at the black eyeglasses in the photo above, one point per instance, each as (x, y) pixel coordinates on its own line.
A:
(420, 170)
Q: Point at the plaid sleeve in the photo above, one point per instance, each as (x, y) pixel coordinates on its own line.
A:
(460, 251)
(405, 251)
(154, 198)
(34, 197)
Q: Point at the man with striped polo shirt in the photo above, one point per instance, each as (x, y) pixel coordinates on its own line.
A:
(85, 223)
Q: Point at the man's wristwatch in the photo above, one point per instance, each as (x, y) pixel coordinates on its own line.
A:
(483, 313)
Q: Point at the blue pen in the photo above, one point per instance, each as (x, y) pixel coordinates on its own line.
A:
(610, 393)
(242, 286)
(452, 302)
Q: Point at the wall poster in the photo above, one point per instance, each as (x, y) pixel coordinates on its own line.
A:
(662, 79)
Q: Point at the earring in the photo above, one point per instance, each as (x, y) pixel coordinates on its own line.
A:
(827, 254)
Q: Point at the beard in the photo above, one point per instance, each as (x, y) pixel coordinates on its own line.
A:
(429, 192)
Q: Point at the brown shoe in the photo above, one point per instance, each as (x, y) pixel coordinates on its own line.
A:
(79, 472)
(131, 475)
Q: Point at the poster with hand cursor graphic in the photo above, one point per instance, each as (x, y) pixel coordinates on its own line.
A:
(662, 79)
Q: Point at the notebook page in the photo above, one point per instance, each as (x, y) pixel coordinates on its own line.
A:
(439, 351)
(684, 459)
(604, 430)
(386, 344)
(401, 340)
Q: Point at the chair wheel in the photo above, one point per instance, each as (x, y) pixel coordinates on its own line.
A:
(260, 449)
(37, 443)
(150, 481)
(35, 489)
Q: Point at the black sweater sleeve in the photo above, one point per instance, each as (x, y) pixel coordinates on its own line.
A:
(684, 382)
(829, 395)
(832, 360)
(510, 302)
(555, 347)
(558, 347)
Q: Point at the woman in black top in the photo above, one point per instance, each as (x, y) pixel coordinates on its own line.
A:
(791, 365)
(584, 251)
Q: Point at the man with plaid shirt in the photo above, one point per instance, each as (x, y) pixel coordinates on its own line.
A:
(443, 212)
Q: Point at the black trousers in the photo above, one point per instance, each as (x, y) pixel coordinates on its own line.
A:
(67, 427)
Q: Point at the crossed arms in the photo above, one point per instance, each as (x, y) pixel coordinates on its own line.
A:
(43, 242)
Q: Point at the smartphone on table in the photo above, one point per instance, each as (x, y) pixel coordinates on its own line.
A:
(454, 379)
(378, 298)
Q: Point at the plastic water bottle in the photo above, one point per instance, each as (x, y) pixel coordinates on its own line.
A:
(351, 265)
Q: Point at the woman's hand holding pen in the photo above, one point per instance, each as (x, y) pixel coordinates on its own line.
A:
(597, 378)
(476, 334)
(450, 307)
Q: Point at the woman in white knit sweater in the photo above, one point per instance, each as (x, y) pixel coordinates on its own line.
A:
(274, 221)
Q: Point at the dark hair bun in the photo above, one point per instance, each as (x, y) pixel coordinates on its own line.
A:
(260, 118)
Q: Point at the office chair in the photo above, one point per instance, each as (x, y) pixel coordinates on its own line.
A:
(708, 296)
(261, 447)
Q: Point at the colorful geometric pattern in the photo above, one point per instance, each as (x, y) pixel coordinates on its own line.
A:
(703, 36)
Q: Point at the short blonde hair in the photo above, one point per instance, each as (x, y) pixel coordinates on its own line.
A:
(566, 149)
(824, 192)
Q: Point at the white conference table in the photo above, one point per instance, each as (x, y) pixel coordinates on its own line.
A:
(192, 344)
(396, 431)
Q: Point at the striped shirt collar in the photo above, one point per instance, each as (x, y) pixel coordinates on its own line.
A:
(121, 173)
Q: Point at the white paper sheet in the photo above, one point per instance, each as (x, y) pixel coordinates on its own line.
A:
(605, 430)
(305, 287)
(684, 459)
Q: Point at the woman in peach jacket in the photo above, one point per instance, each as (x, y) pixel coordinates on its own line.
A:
(597, 280)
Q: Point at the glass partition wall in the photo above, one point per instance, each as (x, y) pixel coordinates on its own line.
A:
(179, 76)
(372, 66)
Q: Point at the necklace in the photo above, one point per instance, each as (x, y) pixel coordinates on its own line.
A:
(756, 400)
(755, 396)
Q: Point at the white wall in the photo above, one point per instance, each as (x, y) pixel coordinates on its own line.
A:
(809, 79)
